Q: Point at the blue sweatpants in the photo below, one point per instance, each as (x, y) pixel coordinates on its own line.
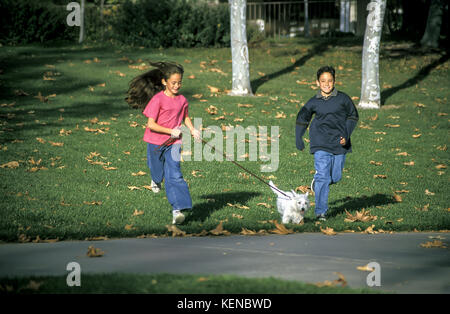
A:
(164, 164)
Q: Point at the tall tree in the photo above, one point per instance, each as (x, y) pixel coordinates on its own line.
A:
(239, 49)
(370, 86)
(81, 38)
(433, 29)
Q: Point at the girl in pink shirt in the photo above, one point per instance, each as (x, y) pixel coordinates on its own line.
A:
(166, 109)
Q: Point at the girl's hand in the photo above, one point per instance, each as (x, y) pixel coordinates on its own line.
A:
(342, 141)
(196, 134)
(175, 133)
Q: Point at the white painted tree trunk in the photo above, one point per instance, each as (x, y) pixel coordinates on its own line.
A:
(239, 49)
(433, 29)
(370, 86)
(81, 38)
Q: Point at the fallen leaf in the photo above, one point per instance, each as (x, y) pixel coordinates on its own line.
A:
(363, 216)
(427, 192)
(411, 163)
(11, 165)
(219, 230)
(175, 231)
(280, 228)
(434, 244)
(379, 176)
(213, 89)
(328, 231)
(138, 212)
(365, 268)
(94, 252)
(340, 281)
(132, 188)
(392, 125)
(212, 110)
(416, 135)
(398, 198)
(441, 166)
(140, 173)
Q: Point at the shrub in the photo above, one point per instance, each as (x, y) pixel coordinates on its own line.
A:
(32, 21)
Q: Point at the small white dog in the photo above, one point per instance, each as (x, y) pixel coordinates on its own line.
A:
(291, 205)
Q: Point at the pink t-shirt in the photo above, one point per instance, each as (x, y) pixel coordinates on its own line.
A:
(167, 112)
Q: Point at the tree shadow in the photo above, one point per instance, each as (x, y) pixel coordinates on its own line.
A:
(353, 204)
(318, 49)
(217, 201)
(423, 73)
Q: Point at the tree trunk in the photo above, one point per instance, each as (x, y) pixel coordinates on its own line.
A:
(81, 38)
(344, 25)
(370, 87)
(239, 49)
(433, 29)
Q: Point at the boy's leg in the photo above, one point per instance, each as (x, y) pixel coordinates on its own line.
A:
(337, 166)
(322, 180)
(155, 163)
(177, 190)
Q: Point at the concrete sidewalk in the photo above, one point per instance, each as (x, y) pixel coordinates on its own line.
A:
(406, 267)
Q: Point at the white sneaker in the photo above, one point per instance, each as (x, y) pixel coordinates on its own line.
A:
(178, 217)
(156, 187)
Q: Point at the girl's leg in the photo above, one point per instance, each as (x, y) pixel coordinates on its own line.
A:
(177, 190)
(155, 163)
(322, 180)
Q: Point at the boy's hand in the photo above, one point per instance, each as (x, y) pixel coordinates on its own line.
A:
(342, 141)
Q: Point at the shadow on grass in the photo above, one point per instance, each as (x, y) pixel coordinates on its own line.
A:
(318, 49)
(217, 201)
(358, 203)
(423, 73)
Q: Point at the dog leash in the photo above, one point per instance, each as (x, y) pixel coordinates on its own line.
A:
(171, 140)
(246, 170)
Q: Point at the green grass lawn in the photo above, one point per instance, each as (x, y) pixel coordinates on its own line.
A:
(169, 284)
(69, 144)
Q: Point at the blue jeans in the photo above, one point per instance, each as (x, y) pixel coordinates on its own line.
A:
(328, 171)
(164, 163)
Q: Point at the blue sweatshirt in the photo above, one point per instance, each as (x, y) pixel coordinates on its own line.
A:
(335, 117)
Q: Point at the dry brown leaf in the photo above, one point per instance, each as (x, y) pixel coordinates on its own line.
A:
(416, 135)
(441, 166)
(94, 252)
(212, 110)
(340, 281)
(140, 173)
(328, 231)
(398, 198)
(363, 216)
(219, 230)
(132, 188)
(138, 212)
(365, 268)
(379, 176)
(11, 165)
(434, 244)
(376, 163)
(176, 232)
(213, 89)
(280, 228)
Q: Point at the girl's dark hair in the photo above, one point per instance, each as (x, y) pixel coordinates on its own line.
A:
(143, 87)
(326, 69)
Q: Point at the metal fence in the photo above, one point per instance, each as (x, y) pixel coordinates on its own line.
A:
(302, 18)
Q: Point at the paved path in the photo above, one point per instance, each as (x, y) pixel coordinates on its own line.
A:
(406, 267)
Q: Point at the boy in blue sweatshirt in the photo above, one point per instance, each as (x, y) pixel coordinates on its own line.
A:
(335, 119)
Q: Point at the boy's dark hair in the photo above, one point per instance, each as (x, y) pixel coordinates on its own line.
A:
(326, 69)
(143, 87)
